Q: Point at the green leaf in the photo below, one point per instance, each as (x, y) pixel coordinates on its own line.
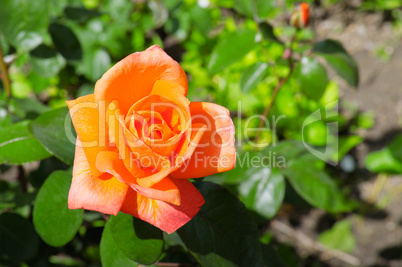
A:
(259, 7)
(396, 147)
(263, 191)
(19, 242)
(28, 108)
(111, 255)
(80, 14)
(18, 146)
(346, 144)
(271, 257)
(96, 62)
(49, 128)
(252, 76)
(23, 23)
(311, 77)
(339, 59)
(65, 41)
(48, 67)
(231, 48)
(268, 32)
(139, 241)
(339, 237)
(316, 186)
(383, 161)
(388, 160)
(222, 233)
(53, 220)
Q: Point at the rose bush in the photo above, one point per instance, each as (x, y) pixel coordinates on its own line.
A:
(139, 140)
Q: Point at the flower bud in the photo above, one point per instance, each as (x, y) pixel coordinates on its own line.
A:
(300, 16)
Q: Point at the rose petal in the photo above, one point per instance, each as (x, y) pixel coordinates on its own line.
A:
(90, 127)
(165, 190)
(167, 217)
(133, 78)
(104, 194)
(215, 152)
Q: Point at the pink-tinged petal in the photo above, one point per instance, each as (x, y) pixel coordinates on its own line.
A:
(165, 190)
(215, 152)
(104, 194)
(166, 216)
(133, 78)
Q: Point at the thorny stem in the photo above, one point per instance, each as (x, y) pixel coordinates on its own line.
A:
(4, 71)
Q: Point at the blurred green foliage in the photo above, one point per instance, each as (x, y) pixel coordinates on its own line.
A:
(235, 57)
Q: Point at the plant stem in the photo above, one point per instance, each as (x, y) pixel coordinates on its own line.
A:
(281, 82)
(4, 71)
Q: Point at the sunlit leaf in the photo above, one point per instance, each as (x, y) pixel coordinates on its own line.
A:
(53, 220)
(111, 255)
(339, 237)
(263, 191)
(17, 145)
(253, 75)
(231, 48)
(138, 240)
(311, 77)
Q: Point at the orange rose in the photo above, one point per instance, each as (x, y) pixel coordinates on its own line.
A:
(139, 140)
(300, 17)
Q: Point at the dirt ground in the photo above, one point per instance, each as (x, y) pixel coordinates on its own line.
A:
(378, 234)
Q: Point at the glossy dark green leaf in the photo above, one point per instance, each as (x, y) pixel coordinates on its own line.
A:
(263, 191)
(111, 255)
(139, 241)
(19, 242)
(260, 8)
(271, 257)
(339, 59)
(43, 51)
(268, 32)
(231, 48)
(316, 186)
(49, 128)
(80, 14)
(252, 76)
(65, 41)
(53, 220)
(311, 77)
(23, 23)
(223, 232)
(17, 145)
(339, 237)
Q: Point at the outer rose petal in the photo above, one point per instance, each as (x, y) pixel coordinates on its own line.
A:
(90, 129)
(133, 77)
(165, 190)
(215, 152)
(103, 194)
(167, 217)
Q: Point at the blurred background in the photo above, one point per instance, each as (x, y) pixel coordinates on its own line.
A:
(346, 61)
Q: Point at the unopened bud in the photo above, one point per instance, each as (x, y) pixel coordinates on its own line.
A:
(300, 16)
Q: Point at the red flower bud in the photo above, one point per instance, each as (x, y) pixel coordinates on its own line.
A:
(300, 16)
